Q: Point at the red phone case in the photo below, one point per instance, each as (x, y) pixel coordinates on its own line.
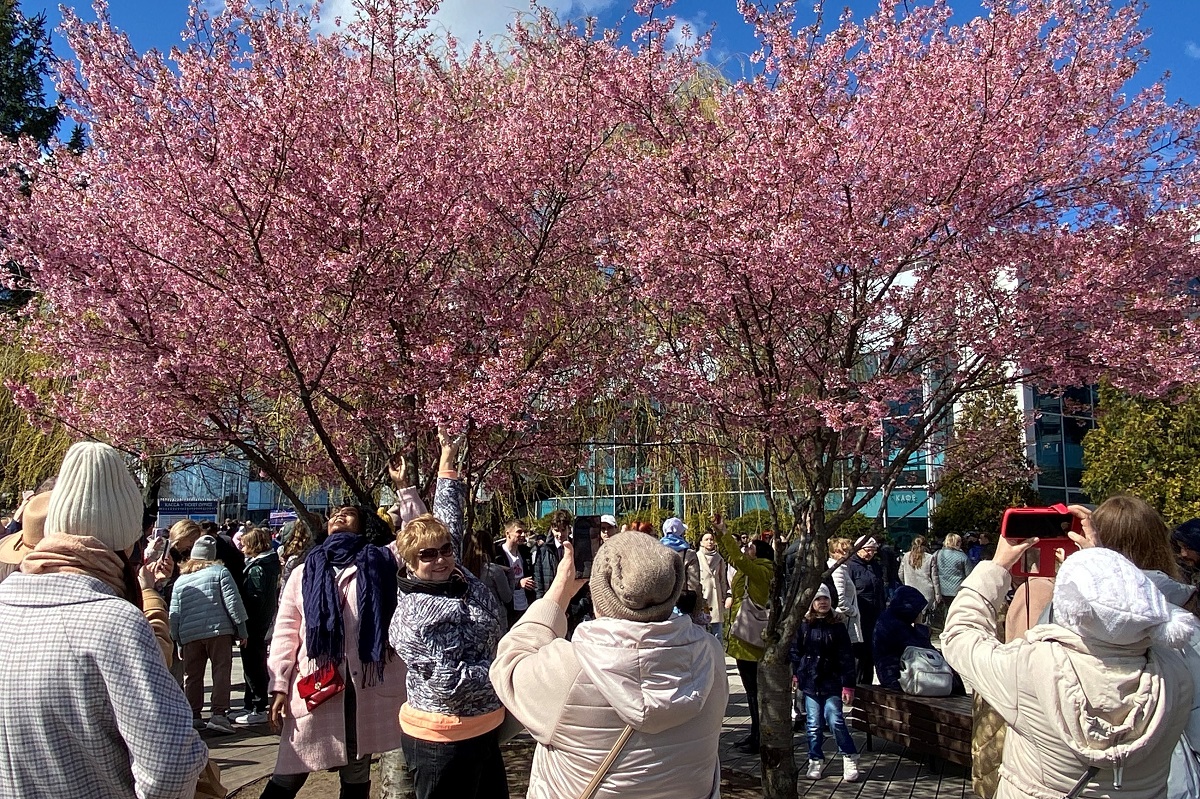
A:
(1046, 547)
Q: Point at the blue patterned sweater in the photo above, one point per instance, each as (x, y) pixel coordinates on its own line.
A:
(448, 639)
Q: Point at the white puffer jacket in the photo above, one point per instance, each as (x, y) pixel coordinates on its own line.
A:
(1069, 703)
(666, 679)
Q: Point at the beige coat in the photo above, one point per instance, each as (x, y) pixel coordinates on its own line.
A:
(714, 583)
(666, 679)
(1069, 703)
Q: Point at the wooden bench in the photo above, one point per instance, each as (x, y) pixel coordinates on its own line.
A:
(940, 727)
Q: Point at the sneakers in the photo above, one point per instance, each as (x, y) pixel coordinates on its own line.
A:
(219, 723)
(850, 768)
(199, 723)
(815, 767)
(249, 718)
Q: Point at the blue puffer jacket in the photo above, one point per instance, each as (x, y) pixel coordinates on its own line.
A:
(205, 604)
(822, 659)
(896, 631)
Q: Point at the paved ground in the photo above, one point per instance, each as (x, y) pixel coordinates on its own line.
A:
(249, 756)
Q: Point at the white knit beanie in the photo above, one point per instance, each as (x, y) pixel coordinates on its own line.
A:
(96, 496)
(1101, 595)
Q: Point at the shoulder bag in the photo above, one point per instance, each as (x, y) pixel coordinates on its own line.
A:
(606, 764)
(324, 683)
(751, 620)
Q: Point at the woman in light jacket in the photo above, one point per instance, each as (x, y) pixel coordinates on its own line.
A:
(952, 566)
(1112, 693)
(918, 569)
(636, 665)
(206, 613)
(714, 581)
(335, 610)
(847, 595)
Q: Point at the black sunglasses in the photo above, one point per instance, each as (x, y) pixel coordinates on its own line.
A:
(430, 555)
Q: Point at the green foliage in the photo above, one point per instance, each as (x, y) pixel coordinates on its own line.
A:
(975, 507)
(1150, 448)
(859, 525)
(25, 58)
(754, 523)
(28, 453)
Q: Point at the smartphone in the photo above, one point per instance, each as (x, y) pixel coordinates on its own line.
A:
(581, 540)
(1051, 527)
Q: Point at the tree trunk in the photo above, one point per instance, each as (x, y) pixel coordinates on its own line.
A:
(393, 776)
(777, 751)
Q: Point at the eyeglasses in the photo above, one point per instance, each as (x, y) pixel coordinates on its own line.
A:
(430, 555)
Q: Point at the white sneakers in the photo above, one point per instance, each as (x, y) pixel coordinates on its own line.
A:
(849, 768)
(248, 718)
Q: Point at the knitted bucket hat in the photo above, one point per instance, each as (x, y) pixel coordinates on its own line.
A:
(1101, 595)
(636, 578)
(96, 496)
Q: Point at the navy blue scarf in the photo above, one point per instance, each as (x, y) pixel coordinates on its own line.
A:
(375, 583)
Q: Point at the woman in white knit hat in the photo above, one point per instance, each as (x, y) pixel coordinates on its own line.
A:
(86, 693)
(638, 680)
(1094, 702)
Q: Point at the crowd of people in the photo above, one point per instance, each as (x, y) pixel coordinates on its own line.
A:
(371, 635)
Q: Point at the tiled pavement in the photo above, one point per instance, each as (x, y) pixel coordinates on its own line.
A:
(250, 755)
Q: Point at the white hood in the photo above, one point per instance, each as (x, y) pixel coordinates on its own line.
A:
(1110, 702)
(656, 675)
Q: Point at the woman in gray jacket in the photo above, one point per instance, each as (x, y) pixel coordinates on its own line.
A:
(206, 613)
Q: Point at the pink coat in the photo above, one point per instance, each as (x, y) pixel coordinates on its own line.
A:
(316, 740)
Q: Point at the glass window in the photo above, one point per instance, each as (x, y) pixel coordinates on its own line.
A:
(1048, 434)
(1046, 403)
(1051, 496)
(1079, 401)
(1073, 432)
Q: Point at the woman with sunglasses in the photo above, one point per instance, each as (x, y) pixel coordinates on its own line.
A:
(446, 629)
(333, 617)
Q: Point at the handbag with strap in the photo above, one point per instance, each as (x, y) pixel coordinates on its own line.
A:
(323, 684)
(751, 620)
(606, 764)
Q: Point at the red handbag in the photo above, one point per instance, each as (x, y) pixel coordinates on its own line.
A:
(324, 683)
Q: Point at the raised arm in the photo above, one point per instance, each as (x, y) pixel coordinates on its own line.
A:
(451, 492)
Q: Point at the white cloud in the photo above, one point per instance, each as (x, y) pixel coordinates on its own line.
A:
(471, 20)
(1192, 49)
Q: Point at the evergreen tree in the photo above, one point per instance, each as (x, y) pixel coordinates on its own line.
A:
(25, 59)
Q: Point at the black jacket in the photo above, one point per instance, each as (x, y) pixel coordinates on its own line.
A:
(233, 559)
(526, 555)
(868, 583)
(260, 593)
(897, 630)
(822, 659)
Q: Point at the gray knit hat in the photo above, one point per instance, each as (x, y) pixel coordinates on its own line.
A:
(96, 496)
(636, 578)
(205, 548)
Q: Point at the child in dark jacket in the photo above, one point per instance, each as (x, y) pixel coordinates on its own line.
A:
(823, 665)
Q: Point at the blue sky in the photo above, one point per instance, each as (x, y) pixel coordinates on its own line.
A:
(1174, 44)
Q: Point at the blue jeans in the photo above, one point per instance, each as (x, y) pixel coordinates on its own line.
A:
(715, 628)
(826, 711)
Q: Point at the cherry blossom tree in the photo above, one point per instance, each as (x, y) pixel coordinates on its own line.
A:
(311, 247)
(897, 213)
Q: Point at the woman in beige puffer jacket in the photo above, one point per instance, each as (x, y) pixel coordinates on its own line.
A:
(1104, 687)
(636, 664)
